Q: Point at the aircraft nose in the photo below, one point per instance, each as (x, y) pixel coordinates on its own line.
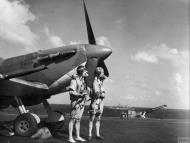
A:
(107, 51)
(97, 51)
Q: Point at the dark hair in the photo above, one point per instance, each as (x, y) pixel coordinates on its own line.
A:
(80, 69)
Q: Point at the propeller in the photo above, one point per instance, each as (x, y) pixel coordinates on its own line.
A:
(92, 63)
(91, 38)
(91, 67)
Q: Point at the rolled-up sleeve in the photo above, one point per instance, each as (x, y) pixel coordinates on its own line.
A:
(73, 90)
(73, 85)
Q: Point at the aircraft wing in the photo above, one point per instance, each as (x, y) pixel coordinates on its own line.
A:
(32, 63)
(156, 108)
(21, 73)
(21, 87)
(36, 85)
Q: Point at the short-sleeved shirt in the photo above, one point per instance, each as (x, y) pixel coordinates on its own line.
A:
(77, 104)
(77, 84)
(97, 87)
(96, 105)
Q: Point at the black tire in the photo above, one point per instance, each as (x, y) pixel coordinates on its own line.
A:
(25, 125)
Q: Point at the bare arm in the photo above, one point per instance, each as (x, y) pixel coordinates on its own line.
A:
(74, 93)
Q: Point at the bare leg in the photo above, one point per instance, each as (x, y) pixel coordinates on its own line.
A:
(77, 127)
(71, 123)
(91, 125)
(98, 127)
(101, 107)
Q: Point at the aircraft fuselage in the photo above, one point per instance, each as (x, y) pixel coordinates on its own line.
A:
(60, 63)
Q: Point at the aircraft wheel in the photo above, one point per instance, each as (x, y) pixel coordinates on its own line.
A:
(25, 125)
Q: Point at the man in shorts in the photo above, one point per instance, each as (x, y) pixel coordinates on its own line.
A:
(78, 94)
(96, 105)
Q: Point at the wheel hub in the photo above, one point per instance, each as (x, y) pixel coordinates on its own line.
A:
(23, 126)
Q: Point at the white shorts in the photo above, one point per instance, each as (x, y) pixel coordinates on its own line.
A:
(96, 107)
(76, 110)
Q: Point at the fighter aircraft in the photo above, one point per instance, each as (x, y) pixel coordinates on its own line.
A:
(30, 79)
(143, 114)
(137, 112)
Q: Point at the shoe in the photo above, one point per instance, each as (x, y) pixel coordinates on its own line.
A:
(80, 139)
(11, 133)
(100, 137)
(71, 141)
(90, 138)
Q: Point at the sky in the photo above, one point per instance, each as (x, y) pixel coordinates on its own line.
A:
(149, 65)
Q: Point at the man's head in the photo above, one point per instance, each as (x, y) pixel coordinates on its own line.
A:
(99, 72)
(81, 71)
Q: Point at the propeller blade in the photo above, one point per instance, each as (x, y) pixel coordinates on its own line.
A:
(92, 63)
(91, 38)
(103, 65)
(91, 67)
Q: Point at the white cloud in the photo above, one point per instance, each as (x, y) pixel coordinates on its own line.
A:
(179, 60)
(155, 54)
(100, 41)
(55, 40)
(103, 41)
(14, 16)
(181, 86)
(178, 78)
(144, 56)
(178, 83)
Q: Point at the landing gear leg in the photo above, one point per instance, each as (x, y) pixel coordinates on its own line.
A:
(21, 107)
(52, 116)
(25, 124)
(55, 121)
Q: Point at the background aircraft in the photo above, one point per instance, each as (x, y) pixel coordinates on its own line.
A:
(136, 112)
(31, 79)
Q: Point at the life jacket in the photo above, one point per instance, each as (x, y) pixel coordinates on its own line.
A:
(80, 86)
